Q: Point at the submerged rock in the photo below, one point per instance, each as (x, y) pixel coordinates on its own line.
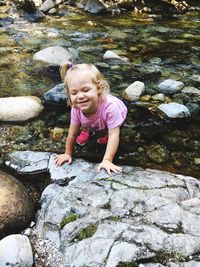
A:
(174, 110)
(56, 95)
(170, 86)
(95, 6)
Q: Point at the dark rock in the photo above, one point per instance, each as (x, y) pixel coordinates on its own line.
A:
(16, 205)
(56, 95)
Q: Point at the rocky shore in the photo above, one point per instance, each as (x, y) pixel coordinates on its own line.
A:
(137, 218)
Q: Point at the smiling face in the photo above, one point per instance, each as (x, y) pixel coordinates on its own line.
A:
(83, 93)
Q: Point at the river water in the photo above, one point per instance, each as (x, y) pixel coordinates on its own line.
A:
(157, 49)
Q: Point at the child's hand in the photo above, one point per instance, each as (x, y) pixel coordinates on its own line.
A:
(60, 159)
(108, 166)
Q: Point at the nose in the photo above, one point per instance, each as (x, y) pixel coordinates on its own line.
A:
(80, 95)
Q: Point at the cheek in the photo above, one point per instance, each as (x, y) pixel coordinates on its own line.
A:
(72, 98)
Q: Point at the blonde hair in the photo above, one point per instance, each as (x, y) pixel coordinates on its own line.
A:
(67, 69)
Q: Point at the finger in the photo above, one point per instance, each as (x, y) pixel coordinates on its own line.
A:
(56, 162)
(116, 169)
(69, 161)
(99, 168)
(108, 170)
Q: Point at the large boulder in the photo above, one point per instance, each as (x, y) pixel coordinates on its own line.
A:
(57, 55)
(16, 205)
(20, 108)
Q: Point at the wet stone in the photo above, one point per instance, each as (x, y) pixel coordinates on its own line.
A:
(28, 162)
(56, 95)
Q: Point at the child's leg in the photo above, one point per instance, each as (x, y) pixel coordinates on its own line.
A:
(102, 136)
(83, 138)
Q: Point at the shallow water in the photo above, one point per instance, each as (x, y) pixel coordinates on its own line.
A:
(173, 45)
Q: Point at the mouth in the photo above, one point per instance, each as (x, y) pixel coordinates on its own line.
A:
(82, 102)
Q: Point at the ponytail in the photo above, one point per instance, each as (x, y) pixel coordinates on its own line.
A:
(64, 69)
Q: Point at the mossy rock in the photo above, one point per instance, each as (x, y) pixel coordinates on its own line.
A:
(86, 232)
(71, 218)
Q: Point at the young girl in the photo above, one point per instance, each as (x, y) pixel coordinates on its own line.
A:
(93, 110)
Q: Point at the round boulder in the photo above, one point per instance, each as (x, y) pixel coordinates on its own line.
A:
(19, 108)
(16, 205)
(15, 250)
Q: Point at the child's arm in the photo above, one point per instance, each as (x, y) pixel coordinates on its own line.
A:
(70, 140)
(111, 149)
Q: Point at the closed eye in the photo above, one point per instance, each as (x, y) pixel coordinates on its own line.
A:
(86, 89)
(73, 93)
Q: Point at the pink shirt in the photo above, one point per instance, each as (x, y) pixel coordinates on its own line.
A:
(111, 113)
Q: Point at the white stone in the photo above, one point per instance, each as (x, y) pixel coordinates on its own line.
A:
(16, 249)
(134, 91)
(197, 161)
(48, 4)
(56, 55)
(20, 108)
(170, 86)
(174, 110)
(112, 55)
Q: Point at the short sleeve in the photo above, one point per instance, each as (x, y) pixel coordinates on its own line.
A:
(75, 116)
(115, 116)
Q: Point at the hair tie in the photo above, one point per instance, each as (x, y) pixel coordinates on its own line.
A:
(71, 65)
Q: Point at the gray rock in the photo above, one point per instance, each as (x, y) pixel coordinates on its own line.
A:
(15, 250)
(170, 86)
(94, 6)
(150, 212)
(190, 90)
(65, 173)
(56, 95)
(106, 220)
(28, 162)
(57, 55)
(193, 108)
(174, 110)
(49, 4)
(195, 79)
(16, 206)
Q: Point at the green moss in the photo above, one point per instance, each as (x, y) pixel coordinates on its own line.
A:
(86, 232)
(72, 217)
(115, 218)
(104, 179)
(173, 256)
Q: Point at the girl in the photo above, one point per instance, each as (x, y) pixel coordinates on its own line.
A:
(93, 110)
